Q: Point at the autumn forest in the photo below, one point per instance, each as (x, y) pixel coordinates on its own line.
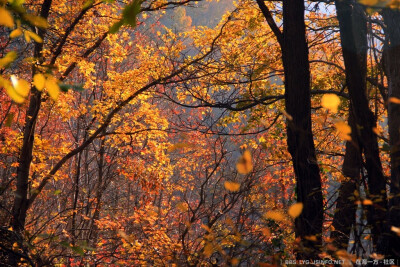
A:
(199, 133)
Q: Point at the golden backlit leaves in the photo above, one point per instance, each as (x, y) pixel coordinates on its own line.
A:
(17, 90)
(244, 164)
(232, 186)
(6, 18)
(15, 33)
(295, 210)
(36, 21)
(344, 130)
(330, 102)
(8, 58)
(39, 81)
(52, 87)
(31, 35)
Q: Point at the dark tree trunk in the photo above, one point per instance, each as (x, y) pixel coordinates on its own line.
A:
(299, 133)
(392, 60)
(21, 201)
(353, 34)
(345, 214)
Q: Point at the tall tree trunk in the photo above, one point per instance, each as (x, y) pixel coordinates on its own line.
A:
(345, 214)
(353, 35)
(392, 60)
(25, 158)
(299, 133)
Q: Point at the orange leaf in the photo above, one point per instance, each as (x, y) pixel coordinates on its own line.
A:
(244, 164)
(232, 186)
(295, 210)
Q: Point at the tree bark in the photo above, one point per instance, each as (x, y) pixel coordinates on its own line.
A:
(345, 212)
(21, 201)
(299, 134)
(353, 35)
(392, 60)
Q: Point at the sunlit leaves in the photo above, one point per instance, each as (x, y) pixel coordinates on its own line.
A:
(15, 33)
(5, 18)
(39, 81)
(8, 58)
(244, 164)
(17, 90)
(232, 186)
(330, 102)
(344, 130)
(295, 210)
(36, 21)
(52, 87)
(31, 35)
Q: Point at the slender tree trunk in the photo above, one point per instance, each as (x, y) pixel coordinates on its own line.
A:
(20, 206)
(353, 34)
(392, 53)
(345, 214)
(299, 133)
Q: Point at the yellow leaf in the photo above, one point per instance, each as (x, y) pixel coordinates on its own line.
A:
(244, 164)
(21, 86)
(52, 88)
(394, 100)
(15, 33)
(344, 130)
(11, 91)
(330, 102)
(28, 35)
(275, 215)
(232, 186)
(39, 81)
(5, 18)
(8, 58)
(36, 21)
(295, 210)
